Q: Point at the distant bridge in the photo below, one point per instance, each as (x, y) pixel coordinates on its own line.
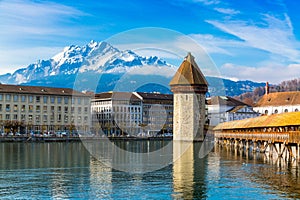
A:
(277, 134)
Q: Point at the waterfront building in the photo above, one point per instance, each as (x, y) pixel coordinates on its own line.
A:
(224, 108)
(278, 102)
(132, 113)
(189, 87)
(26, 109)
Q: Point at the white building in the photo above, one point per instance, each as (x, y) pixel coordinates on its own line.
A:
(131, 113)
(224, 109)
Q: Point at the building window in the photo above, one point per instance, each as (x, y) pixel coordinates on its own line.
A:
(1, 97)
(59, 109)
(79, 110)
(85, 109)
(7, 97)
(59, 117)
(23, 117)
(73, 100)
(23, 98)
(37, 99)
(66, 110)
(7, 108)
(52, 109)
(45, 118)
(0, 107)
(38, 108)
(66, 100)
(44, 109)
(59, 100)
(266, 112)
(79, 100)
(30, 99)
(66, 118)
(52, 99)
(72, 110)
(276, 111)
(16, 98)
(37, 118)
(30, 117)
(15, 117)
(45, 99)
(15, 108)
(30, 108)
(286, 110)
(7, 116)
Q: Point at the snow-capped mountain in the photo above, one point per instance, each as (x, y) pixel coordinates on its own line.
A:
(108, 67)
(98, 57)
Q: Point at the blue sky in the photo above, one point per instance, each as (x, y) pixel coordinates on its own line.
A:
(254, 40)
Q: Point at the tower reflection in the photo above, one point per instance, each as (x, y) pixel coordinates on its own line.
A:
(189, 171)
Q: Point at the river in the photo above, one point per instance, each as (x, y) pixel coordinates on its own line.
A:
(68, 171)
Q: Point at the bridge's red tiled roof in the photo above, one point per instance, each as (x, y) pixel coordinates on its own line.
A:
(275, 120)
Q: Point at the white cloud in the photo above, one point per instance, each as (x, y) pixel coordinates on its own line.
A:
(29, 18)
(150, 70)
(228, 11)
(23, 57)
(273, 73)
(207, 2)
(214, 44)
(276, 36)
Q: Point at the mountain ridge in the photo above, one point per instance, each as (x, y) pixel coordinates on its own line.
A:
(111, 64)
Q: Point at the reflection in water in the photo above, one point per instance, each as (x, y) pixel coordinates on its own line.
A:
(189, 171)
(66, 170)
(132, 156)
(275, 173)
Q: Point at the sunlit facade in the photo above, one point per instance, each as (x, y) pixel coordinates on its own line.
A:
(27, 109)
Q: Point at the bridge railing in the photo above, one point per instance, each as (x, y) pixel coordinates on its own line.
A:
(288, 137)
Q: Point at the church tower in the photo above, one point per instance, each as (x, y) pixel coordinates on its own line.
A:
(189, 87)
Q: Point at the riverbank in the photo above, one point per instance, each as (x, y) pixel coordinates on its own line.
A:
(74, 138)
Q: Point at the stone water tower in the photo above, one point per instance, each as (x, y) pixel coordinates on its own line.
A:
(189, 87)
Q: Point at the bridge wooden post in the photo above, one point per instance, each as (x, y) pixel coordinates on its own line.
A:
(254, 146)
(236, 143)
(241, 145)
(247, 144)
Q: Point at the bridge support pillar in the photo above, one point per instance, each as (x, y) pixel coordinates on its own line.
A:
(247, 144)
(241, 144)
(236, 143)
(254, 146)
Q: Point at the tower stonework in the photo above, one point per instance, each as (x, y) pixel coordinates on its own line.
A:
(189, 87)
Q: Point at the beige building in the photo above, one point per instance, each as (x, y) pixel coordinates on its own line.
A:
(26, 109)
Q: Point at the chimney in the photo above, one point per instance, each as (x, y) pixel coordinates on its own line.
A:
(267, 89)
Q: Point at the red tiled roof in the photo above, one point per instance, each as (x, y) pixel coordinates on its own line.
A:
(22, 89)
(279, 99)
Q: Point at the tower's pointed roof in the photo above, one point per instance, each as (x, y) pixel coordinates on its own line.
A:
(188, 73)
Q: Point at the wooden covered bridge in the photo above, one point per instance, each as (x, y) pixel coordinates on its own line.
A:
(277, 134)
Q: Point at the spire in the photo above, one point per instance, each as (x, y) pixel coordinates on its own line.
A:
(188, 73)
